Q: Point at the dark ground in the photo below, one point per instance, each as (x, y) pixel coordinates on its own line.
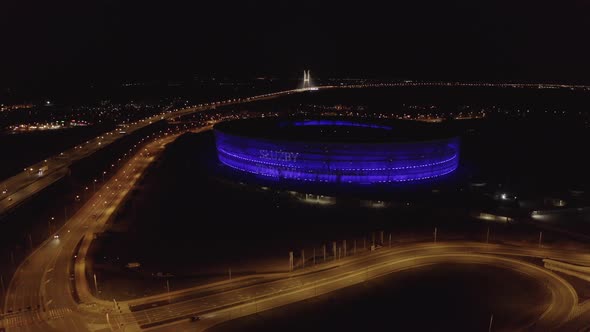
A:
(23, 149)
(449, 297)
(31, 223)
(183, 218)
(194, 220)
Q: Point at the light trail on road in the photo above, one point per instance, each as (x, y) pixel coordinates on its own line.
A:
(40, 296)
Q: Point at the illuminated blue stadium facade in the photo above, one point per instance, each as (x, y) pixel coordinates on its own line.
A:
(334, 161)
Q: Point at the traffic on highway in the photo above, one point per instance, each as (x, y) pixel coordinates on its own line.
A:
(52, 291)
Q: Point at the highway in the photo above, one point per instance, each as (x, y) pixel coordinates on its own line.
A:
(27, 183)
(30, 181)
(49, 291)
(41, 295)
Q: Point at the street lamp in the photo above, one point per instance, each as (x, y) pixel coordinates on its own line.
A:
(49, 224)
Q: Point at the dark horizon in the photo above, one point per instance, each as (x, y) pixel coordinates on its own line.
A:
(68, 44)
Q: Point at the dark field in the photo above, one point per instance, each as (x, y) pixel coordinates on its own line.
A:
(192, 219)
(449, 297)
(187, 220)
(23, 149)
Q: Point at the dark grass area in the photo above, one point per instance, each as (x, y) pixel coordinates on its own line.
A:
(31, 223)
(449, 297)
(23, 149)
(190, 220)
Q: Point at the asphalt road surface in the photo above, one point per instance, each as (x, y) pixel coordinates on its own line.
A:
(41, 295)
(50, 292)
(30, 181)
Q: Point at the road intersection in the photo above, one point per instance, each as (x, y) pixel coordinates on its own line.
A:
(50, 289)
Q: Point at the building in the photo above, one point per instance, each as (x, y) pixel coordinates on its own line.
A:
(337, 150)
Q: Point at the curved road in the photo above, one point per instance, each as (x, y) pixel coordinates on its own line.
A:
(27, 183)
(50, 292)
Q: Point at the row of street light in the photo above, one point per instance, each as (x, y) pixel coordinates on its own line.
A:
(339, 252)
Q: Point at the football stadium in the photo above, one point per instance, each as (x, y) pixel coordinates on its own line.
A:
(338, 150)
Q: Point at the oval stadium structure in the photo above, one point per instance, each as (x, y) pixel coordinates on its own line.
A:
(337, 150)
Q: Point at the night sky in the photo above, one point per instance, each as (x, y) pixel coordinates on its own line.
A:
(60, 42)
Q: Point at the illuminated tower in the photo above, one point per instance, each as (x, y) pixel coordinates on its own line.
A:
(306, 79)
